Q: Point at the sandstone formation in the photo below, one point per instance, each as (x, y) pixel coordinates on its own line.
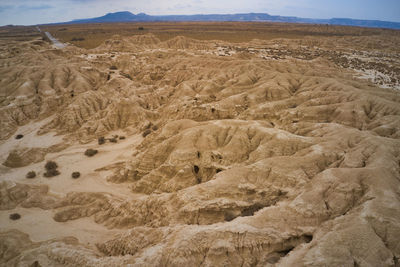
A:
(267, 153)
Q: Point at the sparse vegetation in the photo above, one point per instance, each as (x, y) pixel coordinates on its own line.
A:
(19, 136)
(214, 162)
(31, 175)
(75, 175)
(15, 216)
(235, 32)
(51, 169)
(146, 132)
(77, 39)
(51, 165)
(126, 75)
(91, 152)
(101, 140)
(51, 173)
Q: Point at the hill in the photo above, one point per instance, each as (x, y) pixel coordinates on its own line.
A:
(147, 151)
(126, 16)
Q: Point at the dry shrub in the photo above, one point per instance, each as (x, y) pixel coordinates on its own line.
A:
(15, 216)
(101, 140)
(75, 39)
(146, 132)
(91, 152)
(51, 173)
(31, 175)
(50, 165)
(51, 169)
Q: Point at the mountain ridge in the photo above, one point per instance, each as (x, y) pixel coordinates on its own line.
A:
(126, 16)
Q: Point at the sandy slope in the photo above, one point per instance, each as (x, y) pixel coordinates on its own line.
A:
(260, 154)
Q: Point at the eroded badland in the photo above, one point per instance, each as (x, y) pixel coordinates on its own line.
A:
(274, 152)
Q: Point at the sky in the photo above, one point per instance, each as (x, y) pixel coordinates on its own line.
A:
(30, 12)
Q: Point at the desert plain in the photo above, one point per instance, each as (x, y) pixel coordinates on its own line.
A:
(218, 144)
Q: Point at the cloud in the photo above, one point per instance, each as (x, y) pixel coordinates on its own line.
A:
(34, 7)
(6, 7)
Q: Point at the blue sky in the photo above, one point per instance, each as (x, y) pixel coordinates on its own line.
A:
(28, 12)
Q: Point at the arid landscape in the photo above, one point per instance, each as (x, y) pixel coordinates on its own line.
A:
(199, 144)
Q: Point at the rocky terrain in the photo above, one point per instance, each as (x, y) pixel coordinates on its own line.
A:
(266, 153)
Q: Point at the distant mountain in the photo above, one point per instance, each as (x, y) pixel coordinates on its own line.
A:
(123, 16)
(365, 23)
(126, 16)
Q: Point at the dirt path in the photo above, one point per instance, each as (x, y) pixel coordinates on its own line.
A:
(56, 43)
